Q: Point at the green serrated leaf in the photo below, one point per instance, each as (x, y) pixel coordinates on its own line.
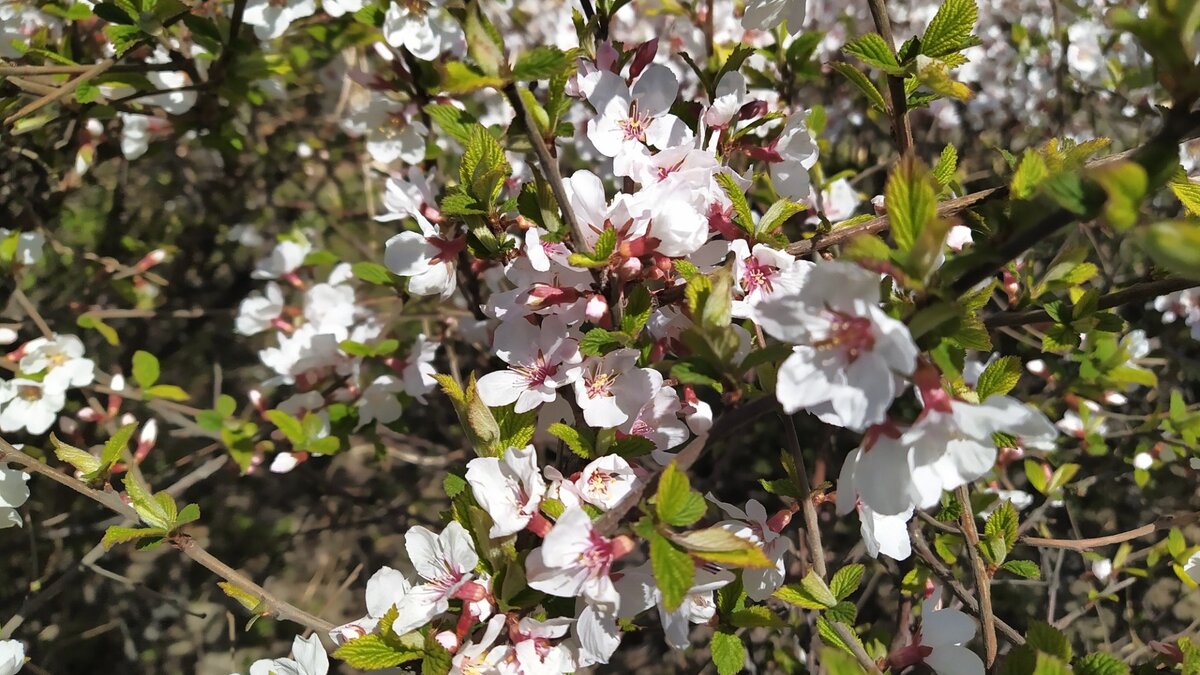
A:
(846, 580)
(728, 652)
(372, 652)
(676, 503)
(577, 441)
(673, 570)
(911, 202)
(950, 29)
(83, 461)
(873, 50)
(999, 377)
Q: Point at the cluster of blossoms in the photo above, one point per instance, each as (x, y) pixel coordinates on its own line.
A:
(327, 347)
(46, 368)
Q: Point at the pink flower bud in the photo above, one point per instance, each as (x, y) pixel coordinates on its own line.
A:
(596, 309)
(622, 546)
(150, 260)
(471, 592)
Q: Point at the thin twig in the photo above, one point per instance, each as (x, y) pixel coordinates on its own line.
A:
(91, 73)
(983, 580)
(812, 529)
(816, 550)
(1137, 292)
(549, 166)
(270, 605)
(1163, 523)
(944, 574)
(898, 103)
(31, 311)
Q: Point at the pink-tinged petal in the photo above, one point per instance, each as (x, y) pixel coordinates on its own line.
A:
(425, 552)
(419, 607)
(607, 135)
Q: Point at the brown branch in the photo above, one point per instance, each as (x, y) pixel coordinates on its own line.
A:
(548, 164)
(271, 605)
(898, 98)
(91, 73)
(59, 69)
(946, 576)
(812, 530)
(1135, 293)
(1163, 523)
(816, 550)
(946, 209)
(983, 580)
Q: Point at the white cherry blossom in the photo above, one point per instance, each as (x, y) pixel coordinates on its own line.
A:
(540, 360)
(271, 18)
(425, 257)
(938, 643)
(612, 389)
(753, 525)
(510, 488)
(424, 28)
(12, 657)
(447, 564)
(385, 589)
(848, 352)
(639, 592)
(575, 560)
(258, 311)
(605, 481)
(30, 405)
(61, 357)
(13, 493)
(632, 118)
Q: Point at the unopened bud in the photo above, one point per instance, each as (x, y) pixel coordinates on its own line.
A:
(752, 110)
(117, 383)
(150, 260)
(128, 419)
(539, 525)
(596, 309)
(643, 57)
(622, 546)
(88, 414)
(780, 520)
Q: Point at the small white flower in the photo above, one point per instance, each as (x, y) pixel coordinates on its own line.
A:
(62, 359)
(797, 153)
(751, 524)
(385, 589)
(378, 402)
(477, 658)
(612, 389)
(446, 562)
(605, 481)
(510, 489)
(284, 259)
(258, 311)
(1102, 569)
(639, 592)
(308, 658)
(12, 657)
(424, 28)
(574, 560)
(540, 360)
(418, 368)
(31, 405)
(766, 14)
(848, 351)
(943, 632)
(425, 257)
(630, 119)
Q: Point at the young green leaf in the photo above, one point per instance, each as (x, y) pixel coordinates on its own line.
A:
(728, 653)
(950, 29)
(673, 570)
(911, 201)
(999, 377)
(676, 503)
(145, 369)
